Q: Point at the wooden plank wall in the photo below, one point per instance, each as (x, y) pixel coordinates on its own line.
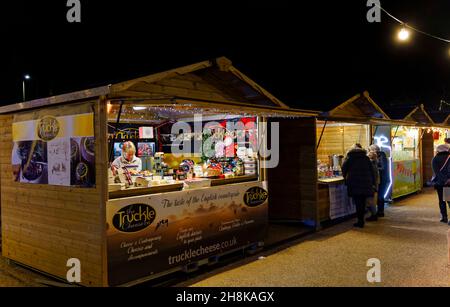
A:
(43, 226)
(336, 140)
(293, 184)
(323, 202)
(427, 156)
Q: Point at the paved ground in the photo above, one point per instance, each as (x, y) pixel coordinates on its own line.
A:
(410, 243)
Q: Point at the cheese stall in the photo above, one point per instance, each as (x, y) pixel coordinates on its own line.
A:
(138, 179)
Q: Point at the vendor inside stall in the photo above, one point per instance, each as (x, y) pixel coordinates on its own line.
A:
(128, 159)
(223, 150)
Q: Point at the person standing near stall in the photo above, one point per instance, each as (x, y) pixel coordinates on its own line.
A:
(359, 179)
(383, 168)
(372, 201)
(441, 170)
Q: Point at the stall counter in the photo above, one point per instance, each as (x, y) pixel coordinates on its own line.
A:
(333, 200)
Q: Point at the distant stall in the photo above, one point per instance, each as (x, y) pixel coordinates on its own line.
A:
(441, 131)
(350, 123)
(312, 152)
(412, 147)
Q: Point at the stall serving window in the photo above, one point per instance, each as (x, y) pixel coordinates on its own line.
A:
(406, 155)
(335, 139)
(155, 150)
(405, 143)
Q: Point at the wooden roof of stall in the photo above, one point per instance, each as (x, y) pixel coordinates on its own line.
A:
(440, 118)
(446, 121)
(420, 116)
(416, 115)
(361, 108)
(209, 84)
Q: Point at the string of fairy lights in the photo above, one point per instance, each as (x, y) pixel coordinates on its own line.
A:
(404, 34)
(443, 104)
(180, 110)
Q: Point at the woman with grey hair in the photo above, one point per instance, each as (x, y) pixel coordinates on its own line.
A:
(383, 169)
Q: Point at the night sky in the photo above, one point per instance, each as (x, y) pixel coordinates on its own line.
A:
(310, 54)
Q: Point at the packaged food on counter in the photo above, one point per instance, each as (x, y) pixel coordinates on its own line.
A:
(197, 183)
(198, 171)
(213, 170)
(142, 182)
(229, 175)
(116, 187)
(146, 173)
(250, 166)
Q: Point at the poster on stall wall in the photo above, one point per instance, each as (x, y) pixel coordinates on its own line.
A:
(54, 150)
(147, 235)
(340, 204)
(406, 177)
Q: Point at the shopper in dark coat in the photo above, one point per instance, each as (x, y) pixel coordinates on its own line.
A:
(360, 180)
(437, 164)
(383, 168)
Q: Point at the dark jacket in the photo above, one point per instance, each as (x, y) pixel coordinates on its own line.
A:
(358, 173)
(438, 162)
(376, 172)
(383, 166)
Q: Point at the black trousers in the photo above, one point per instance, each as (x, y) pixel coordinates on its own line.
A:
(360, 203)
(442, 204)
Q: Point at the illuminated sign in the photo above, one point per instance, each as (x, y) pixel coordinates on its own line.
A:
(383, 142)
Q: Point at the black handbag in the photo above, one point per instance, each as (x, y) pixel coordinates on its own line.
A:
(441, 178)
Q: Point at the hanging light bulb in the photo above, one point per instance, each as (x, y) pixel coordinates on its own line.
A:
(109, 107)
(403, 34)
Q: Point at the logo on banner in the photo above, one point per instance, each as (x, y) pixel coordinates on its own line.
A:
(48, 128)
(255, 196)
(134, 218)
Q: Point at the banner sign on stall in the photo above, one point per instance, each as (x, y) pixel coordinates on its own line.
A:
(54, 150)
(340, 204)
(407, 177)
(148, 235)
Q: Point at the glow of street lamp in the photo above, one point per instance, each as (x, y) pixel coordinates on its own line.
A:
(403, 34)
(27, 77)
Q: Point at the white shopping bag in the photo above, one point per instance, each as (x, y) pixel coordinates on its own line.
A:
(446, 193)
